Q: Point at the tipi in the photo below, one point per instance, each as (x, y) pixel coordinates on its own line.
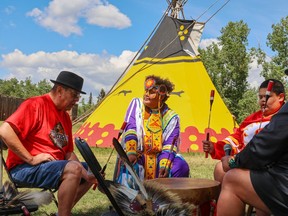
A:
(171, 53)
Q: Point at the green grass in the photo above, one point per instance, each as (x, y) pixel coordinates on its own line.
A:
(95, 203)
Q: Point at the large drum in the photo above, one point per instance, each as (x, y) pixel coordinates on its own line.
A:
(200, 192)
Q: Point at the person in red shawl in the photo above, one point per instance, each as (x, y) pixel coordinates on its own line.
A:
(249, 127)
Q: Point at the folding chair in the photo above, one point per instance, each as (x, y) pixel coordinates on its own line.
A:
(16, 186)
(23, 209)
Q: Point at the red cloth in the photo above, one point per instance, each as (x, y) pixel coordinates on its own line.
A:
(240, 138)
(41, 128)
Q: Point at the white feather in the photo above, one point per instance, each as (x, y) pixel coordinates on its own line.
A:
(137, 179)
(115, 188)
(160, 202)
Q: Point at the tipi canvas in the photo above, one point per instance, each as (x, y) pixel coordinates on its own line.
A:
(171, 53)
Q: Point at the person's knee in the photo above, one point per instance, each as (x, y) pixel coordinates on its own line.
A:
(73, 169)
(181, 169)
(219, 172)
(231, 178)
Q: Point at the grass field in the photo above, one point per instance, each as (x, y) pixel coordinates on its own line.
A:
(95, 203)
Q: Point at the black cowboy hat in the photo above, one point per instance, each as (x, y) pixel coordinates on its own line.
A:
(70, 80)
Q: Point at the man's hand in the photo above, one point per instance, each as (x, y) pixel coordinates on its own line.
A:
(225, 163)
(132, 158)
(40, 158)
(208, 147)
(89, 176)
(163, 173)
(92, 179)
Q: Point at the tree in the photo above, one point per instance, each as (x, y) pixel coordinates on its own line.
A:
(249, 104)
(84, 107)
(43, 86)
(227, 63)
(274, 66)
(101, 95)
(90, 101)
(24, 88)
(28, 88)
(11, 88)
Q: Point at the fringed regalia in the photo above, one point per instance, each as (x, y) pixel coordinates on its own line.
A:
(150, 134)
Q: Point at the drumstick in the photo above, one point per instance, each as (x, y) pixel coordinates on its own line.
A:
(119, 134)
(234, 122)
(105, 166)
(211, 102)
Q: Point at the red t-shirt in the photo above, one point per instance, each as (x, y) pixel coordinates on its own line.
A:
(41, 128)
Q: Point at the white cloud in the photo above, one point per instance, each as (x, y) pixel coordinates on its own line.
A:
(107, 16)
(9, 10)
(207, 42)
(62, 16)
(123, 60)
(98, 71)
(254, 78)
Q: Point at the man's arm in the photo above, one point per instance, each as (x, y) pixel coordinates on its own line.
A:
(12, 141)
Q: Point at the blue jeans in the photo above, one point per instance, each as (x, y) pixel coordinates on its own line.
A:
(45, 175)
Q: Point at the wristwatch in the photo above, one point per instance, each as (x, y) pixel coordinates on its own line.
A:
(232, 163)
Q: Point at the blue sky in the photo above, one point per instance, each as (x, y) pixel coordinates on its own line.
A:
(97, 39)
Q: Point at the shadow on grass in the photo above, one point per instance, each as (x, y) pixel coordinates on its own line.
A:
(97, 211)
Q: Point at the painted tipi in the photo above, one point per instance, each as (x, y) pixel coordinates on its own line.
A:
(171, 53)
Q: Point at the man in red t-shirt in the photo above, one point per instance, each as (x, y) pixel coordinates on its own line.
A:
(40, 145)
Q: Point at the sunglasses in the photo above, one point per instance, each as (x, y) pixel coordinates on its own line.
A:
(75, 95)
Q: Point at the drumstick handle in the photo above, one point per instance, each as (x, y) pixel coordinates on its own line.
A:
(210, 110)
(207, 139)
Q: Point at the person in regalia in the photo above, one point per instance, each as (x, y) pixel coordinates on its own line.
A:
(151, 137)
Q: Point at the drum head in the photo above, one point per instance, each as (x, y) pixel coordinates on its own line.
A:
(195, 191)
